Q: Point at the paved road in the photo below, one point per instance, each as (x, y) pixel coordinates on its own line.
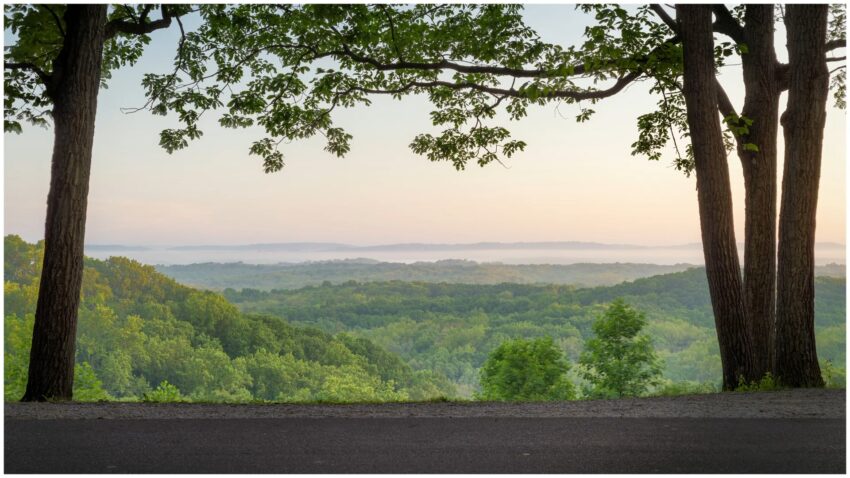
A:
(426, 445)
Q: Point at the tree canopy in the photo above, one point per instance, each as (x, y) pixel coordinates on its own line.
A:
(287, 68)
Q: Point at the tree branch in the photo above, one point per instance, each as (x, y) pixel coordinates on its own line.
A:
(130, 13)
(392, 32)
(724, 104)
(43, 76)
(145, 11)
(141, 27)
(726, 24)
(512, 93)
(835, 44)
(665, 17)
(55, 19)
(782, 69)
(448, 65)
(576, 69)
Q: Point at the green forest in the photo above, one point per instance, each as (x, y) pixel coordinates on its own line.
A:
(237, 275)
(143, 336)
(451, 328)
(219, 276)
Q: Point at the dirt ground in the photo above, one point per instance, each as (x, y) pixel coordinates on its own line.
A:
(811, 403)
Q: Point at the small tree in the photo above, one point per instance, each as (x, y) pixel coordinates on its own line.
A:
(165, 392)
(619, 361)
(526, 370)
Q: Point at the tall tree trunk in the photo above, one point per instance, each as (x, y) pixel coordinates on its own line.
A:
(796, 361)
(714, 195)
(761, 105)
(74, 89)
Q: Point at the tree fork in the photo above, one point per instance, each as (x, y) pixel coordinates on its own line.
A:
(74, 88)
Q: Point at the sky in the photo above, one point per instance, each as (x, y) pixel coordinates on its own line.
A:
(574, 182)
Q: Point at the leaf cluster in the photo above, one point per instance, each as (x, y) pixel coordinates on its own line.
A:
(38, 33)
(287, 69)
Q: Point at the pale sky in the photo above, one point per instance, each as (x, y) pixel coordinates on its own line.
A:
(574, 181)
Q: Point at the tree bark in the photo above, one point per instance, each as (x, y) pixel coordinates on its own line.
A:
(761, 105)
(796, 361)
(74, 87)
(714, 195)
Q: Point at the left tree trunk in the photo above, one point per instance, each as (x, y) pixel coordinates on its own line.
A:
(714, 195)
(796, 361)
(74, 89)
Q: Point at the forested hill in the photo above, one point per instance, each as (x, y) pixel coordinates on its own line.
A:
(217, 276)
(451, 328)
(220, 276)
(143, 335)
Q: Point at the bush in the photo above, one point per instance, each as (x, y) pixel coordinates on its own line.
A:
(526, 370)
(766, 384)
(87, 387)
(833, 377)
(165, 392)
(687, 387)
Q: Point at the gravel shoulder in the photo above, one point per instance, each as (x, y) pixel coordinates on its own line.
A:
(811, 403)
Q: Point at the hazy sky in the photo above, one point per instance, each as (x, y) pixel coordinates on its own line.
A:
(573, 182)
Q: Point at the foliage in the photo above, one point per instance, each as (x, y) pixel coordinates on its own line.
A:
(687, 387)
(765, 384)
(164, 392)
(87, 387)
(833, 377)
(619, 361)
(138, 328)
(287, 69)
(38, 33)
(526, 370)
(451, 328)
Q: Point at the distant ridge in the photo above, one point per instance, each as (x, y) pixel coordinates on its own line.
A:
(280, 246)
(340, 247)
(115, 247)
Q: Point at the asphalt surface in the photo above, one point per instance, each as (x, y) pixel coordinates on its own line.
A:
(426, 445)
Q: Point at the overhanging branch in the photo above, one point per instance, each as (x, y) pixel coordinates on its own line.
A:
(503, 92)
(141, 27)
(42, 75)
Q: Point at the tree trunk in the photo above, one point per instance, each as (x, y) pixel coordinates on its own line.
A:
(761, 105)
(714, 196)
(796, 361)
(74, 88)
